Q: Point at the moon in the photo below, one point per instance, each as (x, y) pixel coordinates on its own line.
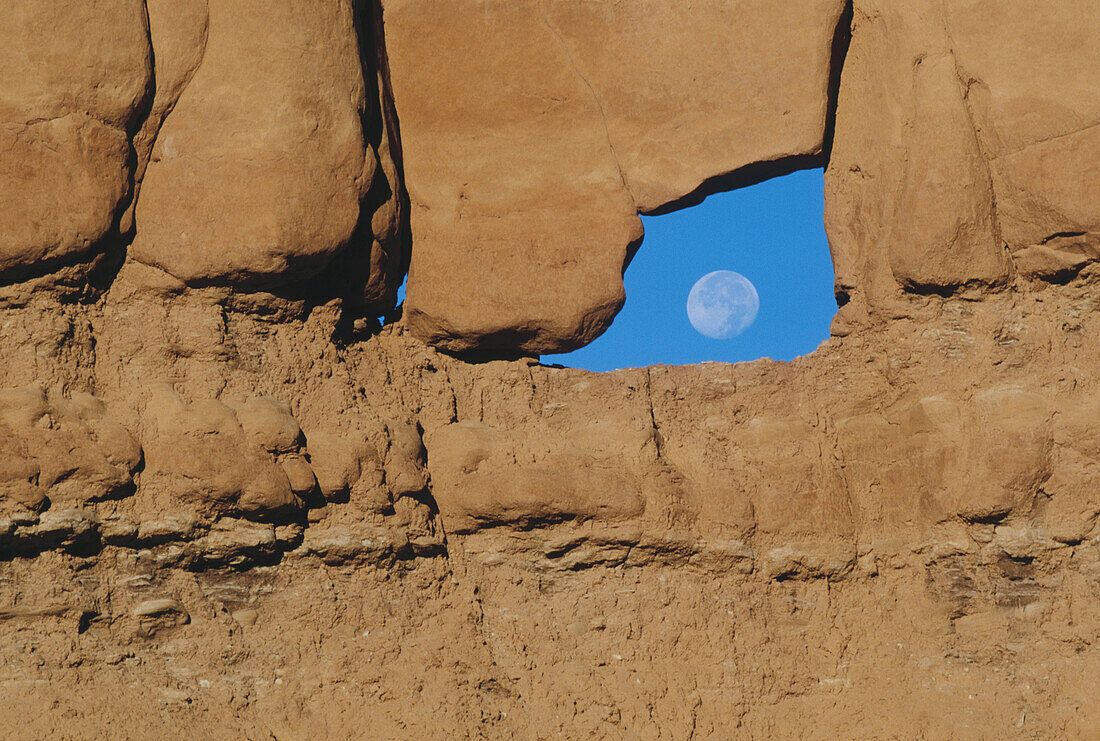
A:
(722, 304)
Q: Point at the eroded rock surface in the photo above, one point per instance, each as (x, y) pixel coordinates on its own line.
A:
(234, 505)
(75, 79)
(281, 136)
(926, 488)
(940, 121)
(160, 125)
(549, 124)
(535, 132)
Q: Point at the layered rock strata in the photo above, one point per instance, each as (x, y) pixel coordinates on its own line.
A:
(235, 504)
(913, 502)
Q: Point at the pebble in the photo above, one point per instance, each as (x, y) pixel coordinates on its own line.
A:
(246, 617)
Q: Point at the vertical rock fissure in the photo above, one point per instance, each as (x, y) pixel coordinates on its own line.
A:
(964, 89)
(392, 127)
(842, 39)
(599, 106)
(657, 441)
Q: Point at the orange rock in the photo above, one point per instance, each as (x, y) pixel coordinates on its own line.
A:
(534, 132)
(74, 80)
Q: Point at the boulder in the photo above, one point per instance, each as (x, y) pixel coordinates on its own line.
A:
(75, 78)
(960, 159)
(260, 161)
(534, 133)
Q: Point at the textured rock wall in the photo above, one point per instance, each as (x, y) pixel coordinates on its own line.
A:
(234, 504)
(905, 519)
(537, 131)
(67, 127)
(959, 127)
(250, 160)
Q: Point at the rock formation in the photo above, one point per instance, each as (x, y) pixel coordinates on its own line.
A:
(244, 494)
(572, 118)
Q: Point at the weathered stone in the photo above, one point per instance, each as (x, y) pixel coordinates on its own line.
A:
(951, 145)
(234, 544)
(533, 133)
(74, 79)
(118, 530)
(909, 195)
(300, 475)
(905, 518)
(174, 527)
(751, 88)
(269, 424)
(246, 617)
(340, 462)
(67, 451)
(477, 482)
(63, 526)
(178, 30)
(201, 453)
(280, 136)
(155, 615)
(405, 471)
(1038, 125)
(832, 560)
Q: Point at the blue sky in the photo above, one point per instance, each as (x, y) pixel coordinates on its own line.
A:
(772, 233)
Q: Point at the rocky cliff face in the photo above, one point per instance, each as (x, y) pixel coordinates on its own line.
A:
(243, 496)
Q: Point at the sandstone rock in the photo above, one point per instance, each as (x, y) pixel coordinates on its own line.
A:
(905, 518)
(269, 424)
(1073, 489)
(19, 477)
(478, 481)
(203, 454)
(289, 537)
(64, 527)
(544, 246)
(280, 134)
(533, 133)
(1037, 125)
(234, 544)
(977, 461)
(1023, 543)
(751, 88)
(246, 617)
(340, 463)
(780, 465)
(300, 475)
(178, 32)
(174, 527)
(909, 196)
(405, 471)
(336, 546)
(950, 145)
(370, 279)
(833, 560)
(1011, 436)
(155, 615)
(74, 79)
(116, 529)
(87, 456)
(64, 450)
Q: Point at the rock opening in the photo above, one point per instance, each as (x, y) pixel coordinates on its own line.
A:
(771, 232)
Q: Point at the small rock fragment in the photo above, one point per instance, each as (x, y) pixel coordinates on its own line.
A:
(246, 617)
